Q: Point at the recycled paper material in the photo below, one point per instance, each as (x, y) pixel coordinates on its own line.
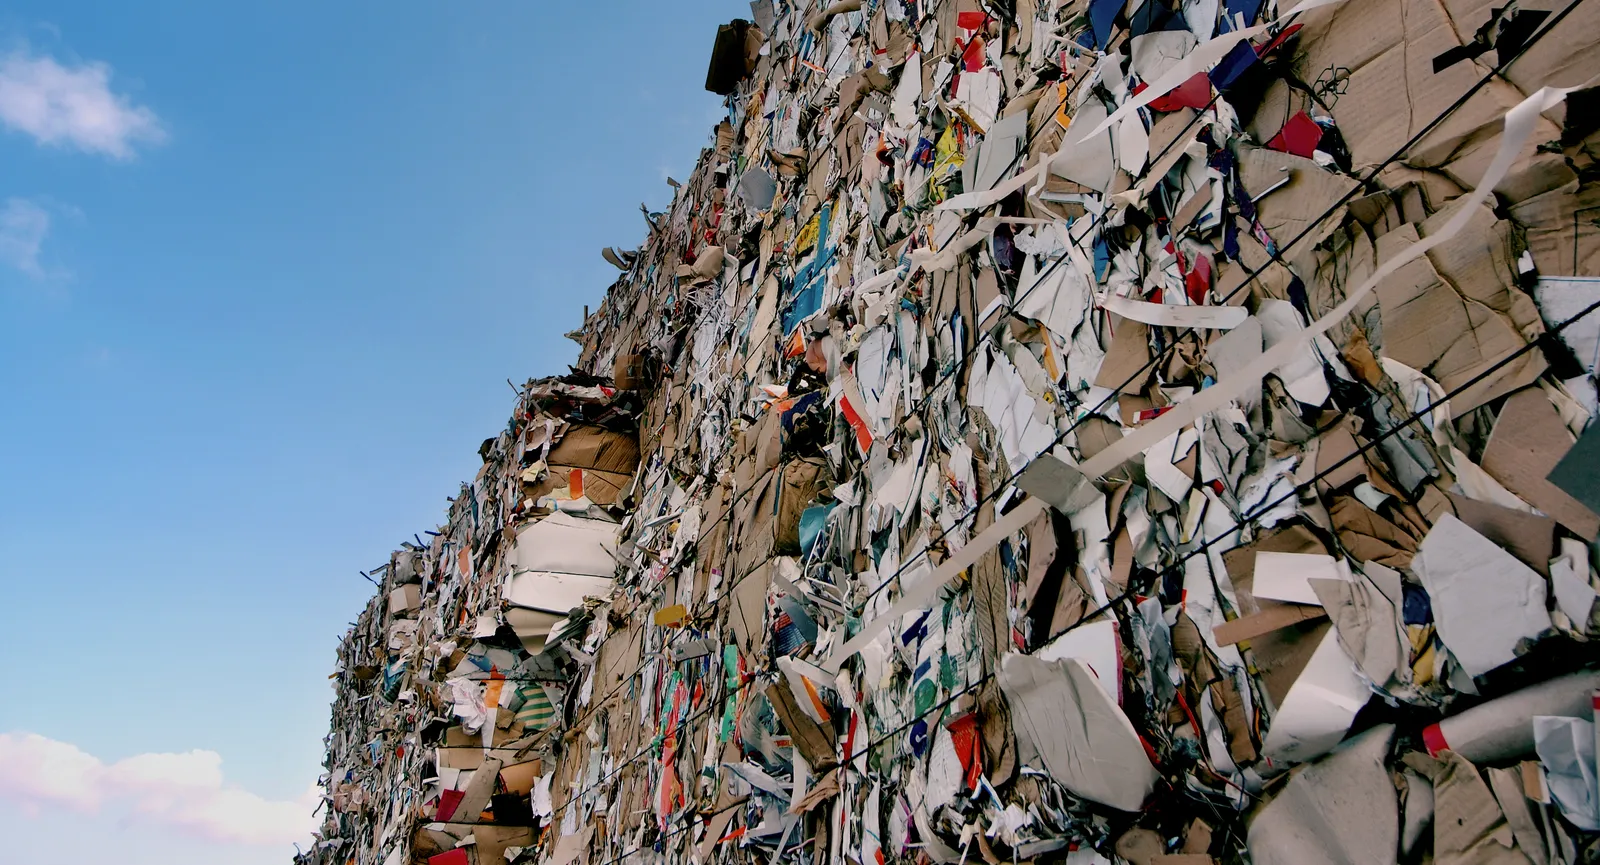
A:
(1341, 809)
(1484, 600)
(1066, 723)
(1319, 707)
(1566, 750)
(1039, 411)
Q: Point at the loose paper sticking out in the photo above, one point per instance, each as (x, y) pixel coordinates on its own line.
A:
(1288, 576)
(1566, 750)
(1484, 601)
(1066, 723)
(1318, 708)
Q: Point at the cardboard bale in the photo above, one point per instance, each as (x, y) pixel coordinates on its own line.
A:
(607, 459)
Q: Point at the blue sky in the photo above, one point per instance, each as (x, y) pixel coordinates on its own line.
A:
(264, 272)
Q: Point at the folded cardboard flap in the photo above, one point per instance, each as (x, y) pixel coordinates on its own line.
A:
(816, 742)
(1424, 323)
(802, 481)
(492, 841)
(733, 56)
(1369, 537)
(749, 607)
(405, 599)
(1527, 443)
(754, 528)
(633, 371)
(1319, 706)
(1468, 825)
(1269, 617)
(606, 457)
(519, 777)
(1292, 192)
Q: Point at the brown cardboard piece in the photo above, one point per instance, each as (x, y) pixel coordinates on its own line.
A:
(754, 538)
(493, 841)
(1468, 826)
(1506, 784)
(733, 55)
(820, 792)
(478, 793)
(619, 656)
(489, 841)
(1529, 537)
(802, 481)
(460, 758)
(632, 371)
(1528, 440)
(1336, 444)
(1199, 666)
(711, 551)
(507, 729)
(749, 608)
(519, 777)
(608, 460)
(816, 742)
(1367, 614)
(1128, 355)
(1430, 326)
(761, 448)
(1288, 210)
(985, 290)
(1386, 48)
(1280, 654)
(1480, 263)
(405, 599)
(463, 750)
(1270, 617)
(1140, 846)
(1561, 244)
(1368, 537)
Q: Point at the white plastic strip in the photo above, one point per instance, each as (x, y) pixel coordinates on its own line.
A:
(1169, 315)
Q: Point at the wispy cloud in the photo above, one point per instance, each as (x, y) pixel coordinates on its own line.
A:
(186, 792)
(67, 105)
(23, 226)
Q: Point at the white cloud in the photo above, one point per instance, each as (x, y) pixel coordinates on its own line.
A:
(72, 106)
(23, 226)
(186, 792)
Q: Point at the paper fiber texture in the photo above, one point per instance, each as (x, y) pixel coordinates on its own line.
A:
(1485, 601)
(1068, 725)
(1021, 415)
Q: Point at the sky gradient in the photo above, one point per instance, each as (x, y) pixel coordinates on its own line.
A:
(265, 270)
